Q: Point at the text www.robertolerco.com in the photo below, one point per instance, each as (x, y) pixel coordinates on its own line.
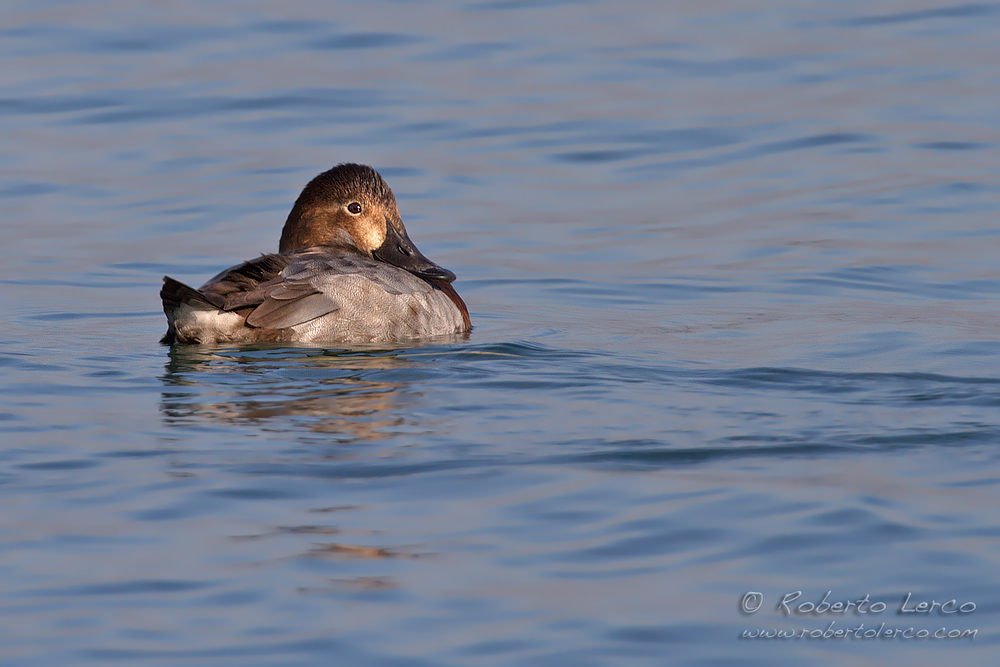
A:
(752, 601)
(859, 632)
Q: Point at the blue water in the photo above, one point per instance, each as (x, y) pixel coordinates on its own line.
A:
(733, 270)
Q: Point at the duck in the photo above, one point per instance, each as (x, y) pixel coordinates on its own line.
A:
(346, 271)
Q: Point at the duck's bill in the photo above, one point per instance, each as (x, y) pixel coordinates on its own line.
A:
(398, 250)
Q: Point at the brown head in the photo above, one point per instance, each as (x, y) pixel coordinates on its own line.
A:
(352, 205)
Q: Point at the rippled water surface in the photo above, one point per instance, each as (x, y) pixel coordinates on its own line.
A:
(733, 269)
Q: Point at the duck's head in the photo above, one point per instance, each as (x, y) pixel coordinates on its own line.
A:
(351, 204)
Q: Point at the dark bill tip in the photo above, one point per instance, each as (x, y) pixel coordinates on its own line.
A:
(397, 249)
(436, 272)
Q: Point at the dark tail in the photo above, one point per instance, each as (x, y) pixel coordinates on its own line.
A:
(174, 293)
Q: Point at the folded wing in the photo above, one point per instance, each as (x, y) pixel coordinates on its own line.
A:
(294, 288)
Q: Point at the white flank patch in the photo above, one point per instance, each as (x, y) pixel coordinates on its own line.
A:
(206, 321)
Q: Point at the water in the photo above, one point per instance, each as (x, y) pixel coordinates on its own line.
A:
(733, 274)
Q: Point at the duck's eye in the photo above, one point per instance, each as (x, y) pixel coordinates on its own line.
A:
(354, 207)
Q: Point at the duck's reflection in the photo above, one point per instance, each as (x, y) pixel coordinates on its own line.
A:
(350, 395)
(328, 400)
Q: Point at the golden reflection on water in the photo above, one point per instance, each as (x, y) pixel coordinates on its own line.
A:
(343, 395)
(322, 391)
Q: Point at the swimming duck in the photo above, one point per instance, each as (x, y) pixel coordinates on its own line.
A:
(345, 272)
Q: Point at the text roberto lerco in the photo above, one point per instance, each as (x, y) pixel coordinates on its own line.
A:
(791, 604)
(866, 606)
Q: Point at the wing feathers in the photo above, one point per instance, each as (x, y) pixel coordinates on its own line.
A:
(288, 289)
(284, 313)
